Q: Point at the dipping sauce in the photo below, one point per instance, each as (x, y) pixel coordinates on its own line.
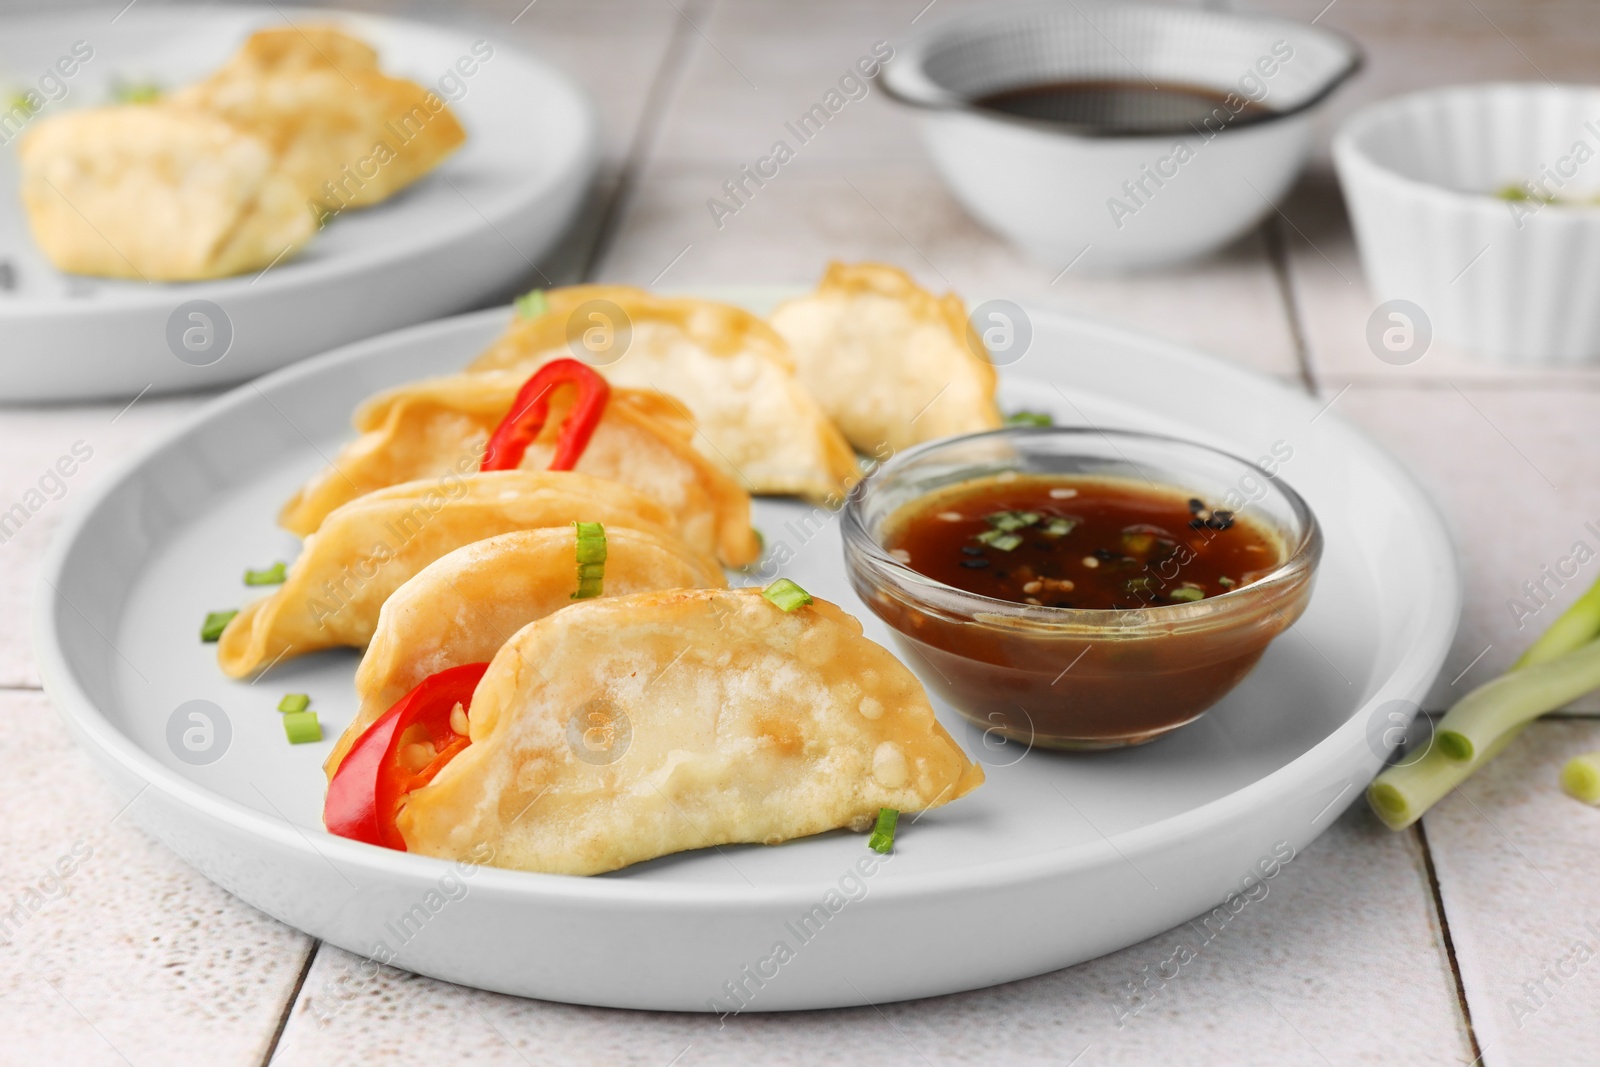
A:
(1080, 542)
(1184, 597)
(1123, 106)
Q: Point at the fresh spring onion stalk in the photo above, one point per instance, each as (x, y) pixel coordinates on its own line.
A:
(294, 702)
(786, 594)
(1581, 777)
(591, 553)
(1516, 699)
(1401, 794)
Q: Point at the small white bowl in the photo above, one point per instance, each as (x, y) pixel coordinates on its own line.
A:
(1513, 281)
(1117, 199)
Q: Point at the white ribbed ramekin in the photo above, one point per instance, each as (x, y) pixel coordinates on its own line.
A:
(1517, 281)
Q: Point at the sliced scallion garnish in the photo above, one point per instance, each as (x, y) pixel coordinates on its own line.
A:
(302, 727)
(882, 839)
(532, 304)
(591, 559)
(786, 594)
(294, 702)
(1000, 539)
(276, 574)
(216, 622)
(1060, 527)
(1008, 521)
(1187, 593)
(1029, 418)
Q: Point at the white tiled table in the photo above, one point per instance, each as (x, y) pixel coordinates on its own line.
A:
(1373, 947)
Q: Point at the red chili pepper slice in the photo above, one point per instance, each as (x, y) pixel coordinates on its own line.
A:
(532, 407)
(365, 794)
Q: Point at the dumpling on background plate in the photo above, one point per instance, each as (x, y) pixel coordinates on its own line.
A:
(464, 605)
(149, 193)
(731, 372)
(675, 720)
(892, 364)
(371, 546)
(427, 428)
(345, 132)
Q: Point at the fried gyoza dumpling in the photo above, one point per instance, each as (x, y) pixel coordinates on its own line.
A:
(146, 192)
(424, 429)
(463, 606)
(892, 364)
(348, 134)
(677, 720)
(374, 544)
(727, 367)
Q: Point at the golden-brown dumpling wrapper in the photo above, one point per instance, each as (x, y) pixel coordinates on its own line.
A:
(348, 134)
(622, 729)
(152, 193)
(374, 544)
(729, 369)
(423, 429)
(892, 364)
(463, 606)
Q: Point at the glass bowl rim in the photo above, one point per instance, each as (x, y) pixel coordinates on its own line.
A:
(1299, 558)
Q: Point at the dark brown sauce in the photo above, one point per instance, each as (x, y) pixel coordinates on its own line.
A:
(1093, 543)
(1125, 106)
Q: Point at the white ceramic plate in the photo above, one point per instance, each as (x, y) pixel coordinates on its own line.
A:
(1058, 858)
(457, 237)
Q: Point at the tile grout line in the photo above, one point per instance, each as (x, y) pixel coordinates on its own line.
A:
(293, 999)
(1278, 256)
(1449, 941)
(674, 65)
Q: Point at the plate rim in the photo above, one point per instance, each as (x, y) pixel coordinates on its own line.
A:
(1411, 678)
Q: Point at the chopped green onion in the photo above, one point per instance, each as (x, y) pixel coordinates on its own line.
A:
(135, 92)
(273, 575)
(532, 304)
(1029, 418)
(294, 702)
(216, 622)
(1012, 520)
(1581, 777)
(591, 560)
(1226, 582)
(1138, 542)
(19, 102)
(882, 839)
(786, 595)
(1187, 593)
(301, 727)
(1060, 527)
(1000, 539)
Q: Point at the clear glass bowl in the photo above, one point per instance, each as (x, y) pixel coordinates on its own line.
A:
(1070, 677)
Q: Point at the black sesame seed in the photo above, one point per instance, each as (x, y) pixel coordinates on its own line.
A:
(1002, 574)
(970, 550)
(1105, 555)
(1196, 506)
(974, 563)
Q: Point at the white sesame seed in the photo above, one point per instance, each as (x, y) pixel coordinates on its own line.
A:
(900, 554)
(951, 516)
(1090, 562)
(1063, 494)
